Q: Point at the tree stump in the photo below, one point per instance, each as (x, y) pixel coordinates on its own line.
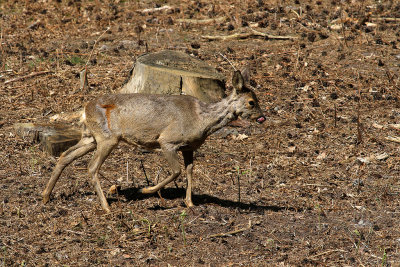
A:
(53, 138)
(173, 72)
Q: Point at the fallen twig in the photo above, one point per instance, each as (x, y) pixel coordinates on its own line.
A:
(203, 21)
(148, 11)
(328, 252)
(74, 232)
(247, 35)
(387, 19)
(227, 37)
(319, 185)
(232, 232)
(276, 37)
(393, 139)
(27, 76)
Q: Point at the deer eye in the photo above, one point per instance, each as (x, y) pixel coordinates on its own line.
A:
(251, 103)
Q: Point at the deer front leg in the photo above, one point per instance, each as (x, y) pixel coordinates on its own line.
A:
(104, 149)
(188, 159)
(173, 161)
(84, 146)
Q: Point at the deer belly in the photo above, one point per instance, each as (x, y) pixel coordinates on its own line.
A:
(143, 140)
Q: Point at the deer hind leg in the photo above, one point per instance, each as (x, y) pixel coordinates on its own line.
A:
(188, 159)
(104, 148)
(173, 161)
(84, 146)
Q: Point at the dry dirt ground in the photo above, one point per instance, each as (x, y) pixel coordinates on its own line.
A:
(319, 181)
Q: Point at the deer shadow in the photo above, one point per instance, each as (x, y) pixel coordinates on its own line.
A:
(132, 194)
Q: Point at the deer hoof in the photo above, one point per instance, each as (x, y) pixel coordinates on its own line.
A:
(189, 203)
(107, 210)
(45, 199)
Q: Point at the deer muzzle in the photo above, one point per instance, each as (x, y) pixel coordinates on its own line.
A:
(260, 119)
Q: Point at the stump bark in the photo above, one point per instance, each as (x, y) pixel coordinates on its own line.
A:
(173, 72)
(53, 138)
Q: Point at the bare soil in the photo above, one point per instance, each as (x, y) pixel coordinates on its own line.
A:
(316, 184)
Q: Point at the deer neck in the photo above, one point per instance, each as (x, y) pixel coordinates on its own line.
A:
(218, 115)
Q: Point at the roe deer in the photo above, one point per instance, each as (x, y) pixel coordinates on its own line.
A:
(171, 123)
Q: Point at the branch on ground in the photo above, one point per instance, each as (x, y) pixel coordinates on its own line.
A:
(246, 35)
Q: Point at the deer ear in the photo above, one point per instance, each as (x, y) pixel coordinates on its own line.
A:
(237, 81)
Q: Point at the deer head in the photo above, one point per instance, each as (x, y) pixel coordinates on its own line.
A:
(247, 105)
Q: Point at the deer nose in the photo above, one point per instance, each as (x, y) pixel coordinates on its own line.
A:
(261, 119)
